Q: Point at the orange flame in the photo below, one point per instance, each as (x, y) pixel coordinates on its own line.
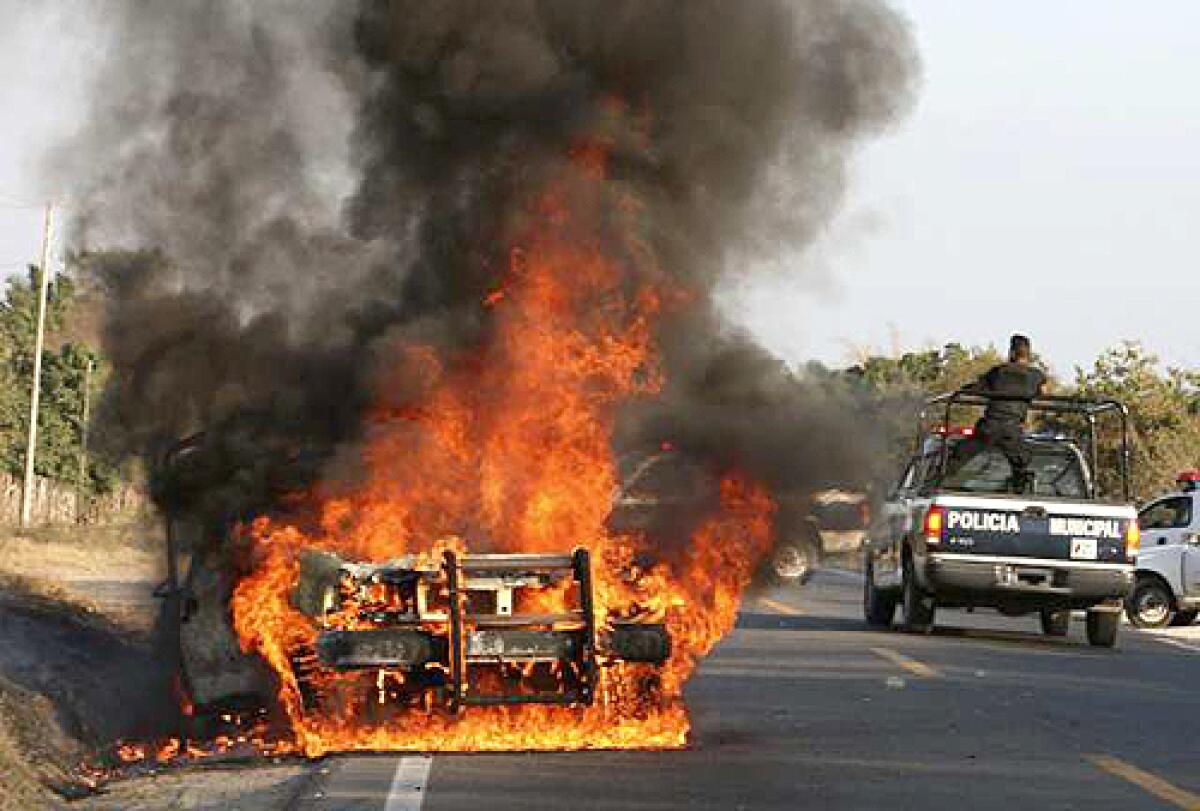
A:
(509, 448)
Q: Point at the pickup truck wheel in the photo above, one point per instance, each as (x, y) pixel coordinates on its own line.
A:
(1184, 617)
(878, 606)
(1102, 628)
(1055, 623)
(918, 607)
(1149, 606)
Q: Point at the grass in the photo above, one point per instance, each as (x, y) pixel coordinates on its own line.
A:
(39, 571)
(63, 553)
(34, 750)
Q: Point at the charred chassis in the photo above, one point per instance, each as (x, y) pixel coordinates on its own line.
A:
(453, 633)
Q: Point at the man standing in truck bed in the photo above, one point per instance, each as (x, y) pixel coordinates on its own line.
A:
(1012, 386)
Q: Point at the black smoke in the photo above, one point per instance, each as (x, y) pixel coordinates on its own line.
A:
(291, 183)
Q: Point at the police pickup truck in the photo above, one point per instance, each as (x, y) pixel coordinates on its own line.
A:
(1167, 588)
(953, 534)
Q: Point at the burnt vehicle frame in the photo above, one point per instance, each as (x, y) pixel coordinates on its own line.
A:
(447, 633)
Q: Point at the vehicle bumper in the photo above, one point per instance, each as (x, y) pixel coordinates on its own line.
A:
(835, 542)
(979, 580)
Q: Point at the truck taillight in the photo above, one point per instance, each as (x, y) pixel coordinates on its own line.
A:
(935, 521)
(1133, 539)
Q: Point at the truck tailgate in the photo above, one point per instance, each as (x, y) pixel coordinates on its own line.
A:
(1022, 527)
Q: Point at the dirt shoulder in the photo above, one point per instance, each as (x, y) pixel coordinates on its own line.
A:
(111, 570)
(81, 668)
(43, 724)
(264, 788)
(34, 752)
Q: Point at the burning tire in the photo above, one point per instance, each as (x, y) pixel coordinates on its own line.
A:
(640, 643)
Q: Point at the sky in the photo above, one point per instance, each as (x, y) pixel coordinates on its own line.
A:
(44, 57)
(1047, 182)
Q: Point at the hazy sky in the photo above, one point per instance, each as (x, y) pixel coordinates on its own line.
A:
(1048, 181)
(44, 56)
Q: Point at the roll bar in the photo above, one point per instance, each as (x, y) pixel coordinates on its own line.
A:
(1088, 408)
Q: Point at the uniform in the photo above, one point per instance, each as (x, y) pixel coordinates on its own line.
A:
(1012, 386)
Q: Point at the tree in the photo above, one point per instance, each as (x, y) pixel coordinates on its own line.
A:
(65, 365)
(928, 371)
(896, 388)
(1164, 408)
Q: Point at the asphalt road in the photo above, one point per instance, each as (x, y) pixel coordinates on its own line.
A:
(801, 707)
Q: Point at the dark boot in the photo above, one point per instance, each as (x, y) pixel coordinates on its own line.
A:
(1021, 483)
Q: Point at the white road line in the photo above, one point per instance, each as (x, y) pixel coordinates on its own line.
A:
(1175, 643)
(408, 786)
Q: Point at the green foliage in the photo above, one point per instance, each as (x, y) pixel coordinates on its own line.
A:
(931, 370)
(898, 386)
(1163, 406)
(64, 372)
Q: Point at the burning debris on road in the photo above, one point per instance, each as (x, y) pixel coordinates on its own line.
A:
(544, 196)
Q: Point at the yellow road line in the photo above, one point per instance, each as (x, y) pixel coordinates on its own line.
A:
(780, 608)
(911, 665)
(1150, 783)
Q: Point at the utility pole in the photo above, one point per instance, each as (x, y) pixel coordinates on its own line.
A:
(35, 390)
(81, 492)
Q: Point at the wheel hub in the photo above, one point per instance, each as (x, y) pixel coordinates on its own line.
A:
(790, 563)
(1151, 607)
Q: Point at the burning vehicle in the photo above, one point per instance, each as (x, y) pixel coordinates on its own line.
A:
(451, 595)
(423, 646)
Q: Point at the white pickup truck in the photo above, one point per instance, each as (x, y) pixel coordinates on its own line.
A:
(1167, 588)
(960, 536)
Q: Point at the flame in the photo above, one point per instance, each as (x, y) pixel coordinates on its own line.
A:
(509, 447)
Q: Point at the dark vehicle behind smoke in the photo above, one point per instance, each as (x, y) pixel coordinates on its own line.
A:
(662, 491)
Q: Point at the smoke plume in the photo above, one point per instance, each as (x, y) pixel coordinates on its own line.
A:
(295, 186)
